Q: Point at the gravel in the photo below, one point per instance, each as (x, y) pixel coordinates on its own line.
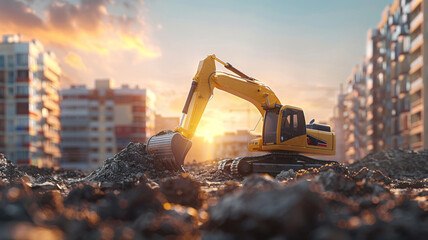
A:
(131, 197)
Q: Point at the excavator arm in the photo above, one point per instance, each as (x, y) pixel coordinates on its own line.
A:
(172, 147)
(203, 85)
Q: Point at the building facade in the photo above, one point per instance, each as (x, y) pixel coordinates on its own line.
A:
(233, 144)
(29, 102)
(385, 96)
(99, 122)
(165, 123)
(353, 105)
(418, 75)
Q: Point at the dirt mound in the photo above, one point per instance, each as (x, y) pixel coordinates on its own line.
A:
(324, 204)
(89, 212)
(396, 164)
(8, 170)
(129, 198)
(286, 212)
(182, 189)
(127, 168)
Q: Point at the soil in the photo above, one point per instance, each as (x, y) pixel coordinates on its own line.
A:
(132, 197)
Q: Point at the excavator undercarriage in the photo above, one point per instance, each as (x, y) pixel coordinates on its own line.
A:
(271, 163)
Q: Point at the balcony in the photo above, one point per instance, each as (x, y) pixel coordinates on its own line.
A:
(417, 21)
(417, 123)
(416, 103)
(417, 84)
(417, 146)
(370, 68)
(416, 64)
(417, 42)
(51, 105)
(53, 121)
(51, 134)
(369, 100)
(414, 4)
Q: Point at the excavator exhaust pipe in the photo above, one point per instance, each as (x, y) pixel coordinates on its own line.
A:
(170, 148)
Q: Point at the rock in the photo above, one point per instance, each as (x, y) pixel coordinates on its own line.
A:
(286, 175)
(8, 170)
(259, 182)
(182, 189)
(291, 212)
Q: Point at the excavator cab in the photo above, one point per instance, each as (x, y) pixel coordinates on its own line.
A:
(285, 129)
(286, 124)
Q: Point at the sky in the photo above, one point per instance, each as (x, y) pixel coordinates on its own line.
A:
(303, 50)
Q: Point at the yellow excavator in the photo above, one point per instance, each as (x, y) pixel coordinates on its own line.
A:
(285, 133)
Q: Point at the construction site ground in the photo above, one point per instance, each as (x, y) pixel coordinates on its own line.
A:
(383, 196)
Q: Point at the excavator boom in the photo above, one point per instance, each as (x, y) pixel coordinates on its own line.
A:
(171, 148)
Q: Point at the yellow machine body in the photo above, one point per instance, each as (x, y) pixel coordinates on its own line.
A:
(284, 127)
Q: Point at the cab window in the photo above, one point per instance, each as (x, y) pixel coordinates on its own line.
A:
(292, 124)
(269, 128)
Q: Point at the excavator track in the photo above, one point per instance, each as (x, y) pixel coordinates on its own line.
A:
(224, 165)
(272, 163)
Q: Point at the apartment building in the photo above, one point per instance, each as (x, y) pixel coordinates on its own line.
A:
(392, 85)
(29, 102)
(337, 123)
(353, 104)
(97, 123)
(418, 75)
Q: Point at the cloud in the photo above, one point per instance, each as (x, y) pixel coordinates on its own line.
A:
(75, 61)
(87, 26)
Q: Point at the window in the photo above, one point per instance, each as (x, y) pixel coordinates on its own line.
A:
(10, 76)
(293, 124)
(22, 74)
(2, 77)
(22, 59)
(10, 62)
(10, 90)
(10, 125)
(2, 65)
(22, 108)
(22, 155)
(269, 128)
(22, 90)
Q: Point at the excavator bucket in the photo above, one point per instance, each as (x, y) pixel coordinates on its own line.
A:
(170, 148)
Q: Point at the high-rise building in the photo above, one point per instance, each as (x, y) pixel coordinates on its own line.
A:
(353, 108)
(29, 102)
(392, 85)
(388, 83)
(418, 75)
(337, 123)
(99, 122)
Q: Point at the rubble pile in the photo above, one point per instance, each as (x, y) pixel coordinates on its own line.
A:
(396, 164)
(127, 168)
(130, 197)
(323, 204)
(91, 213)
